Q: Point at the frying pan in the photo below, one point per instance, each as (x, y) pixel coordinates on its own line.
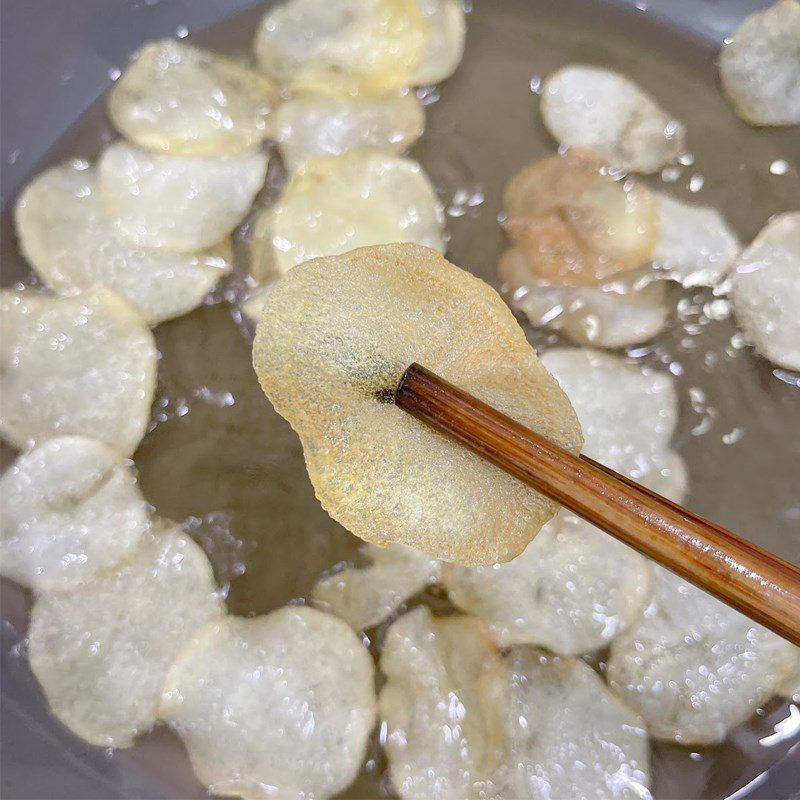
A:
(235, 473)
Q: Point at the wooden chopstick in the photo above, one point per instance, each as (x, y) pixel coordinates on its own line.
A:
(757, 583)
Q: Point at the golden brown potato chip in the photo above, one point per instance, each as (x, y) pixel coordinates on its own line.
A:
(577, 221)
(336, 335)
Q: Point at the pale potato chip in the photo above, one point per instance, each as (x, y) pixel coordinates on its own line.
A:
(695, 245)
(101, 651)
(562, 733)
(624, 311)
(72, 244)
(333, 204)
(175, 202)
(83, 365)
(334, 339)
(572, 591)
(447, 30)
(321, 123)
(344, 45)
(765, 290)
(760, 64)
(71, 508)
(577, 221)
(606, 112)
(365, 596)
(693, 667)
(274, 706)
(178, 98)
(437, 731)
(627, 417)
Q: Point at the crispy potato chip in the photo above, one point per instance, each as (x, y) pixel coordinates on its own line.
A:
(577, 222)
(338, 203)
(608, 114)
(627, 417)
(759, 66)
(572, 591)
(627, 310)
(275, 706)
(562, 733)
(437, 725)
(694, 668)
(365, 597)
(320, 123)
(102, 650)
(179, 203)
(72, 244)
(447, 29)
(71, 508)
(695, 245)
(334, 339)
(345, 45)
(177, 98)
(83, 365)
(765, 290)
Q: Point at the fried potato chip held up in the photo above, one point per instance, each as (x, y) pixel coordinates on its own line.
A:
(336, 335)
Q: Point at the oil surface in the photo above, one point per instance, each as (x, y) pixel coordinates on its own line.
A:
(219, 459)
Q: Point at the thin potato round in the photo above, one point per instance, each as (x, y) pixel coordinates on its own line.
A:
(345, 45)
(577, 222)
(181, 204)
(607, 113)
(71, 508)
(101, 651)
(563, 734)
(438, 736)
(72, 244)
(365, 596)
(627, 310)
(338, 203)
(694, 668)
(335, 337)
(765, 290)
(572, 591)
(695, 245)
(83, 365)
(274, 706)
(447, 29)
(321, 123)
(759, 66)
(174, 97)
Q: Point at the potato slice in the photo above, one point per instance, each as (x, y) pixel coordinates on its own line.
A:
(627, 310)
(577, 222)
(275, 706)
(72, 244)
(101, 651)
(607, 113)
(695, 245)
(572, 591)
(82, 365)
(71, 508)
(447, 29)
(437, 725)
(765, 290)
(344, 45)
(759, 66)
(338, 203)
(182, 204)
(320, 123)
(563, 734)
(365, 597)
(180, 99)
(694, 668)
(334, 339)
